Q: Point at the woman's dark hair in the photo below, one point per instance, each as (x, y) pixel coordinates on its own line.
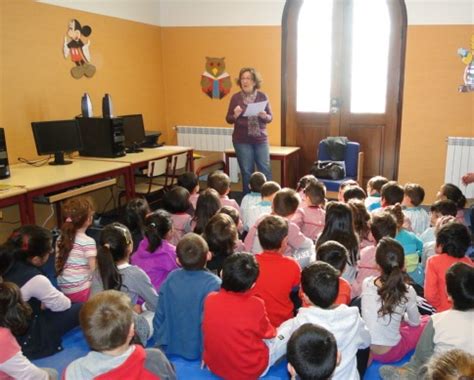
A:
(176, 200)
(221, 235)
(460, 285)
(256, 77)
(208, 204)
(157, 225)
(14, 312)
(76, 212)
(361, 218)
(113, 246)
(23, 244)
(135, 214)
(454, 239)
(390, 257)
(339, 226)
(453, 193)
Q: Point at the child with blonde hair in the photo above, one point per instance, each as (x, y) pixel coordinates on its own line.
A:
(76, 252)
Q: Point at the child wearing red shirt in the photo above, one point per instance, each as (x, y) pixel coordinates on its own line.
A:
(452, 242)
(279, 274)
(236, 329)
(336, 255)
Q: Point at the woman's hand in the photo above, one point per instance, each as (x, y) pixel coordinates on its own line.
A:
(263, 115)
(468, 178)
(237, 111)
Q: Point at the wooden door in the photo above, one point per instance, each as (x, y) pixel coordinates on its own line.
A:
(346, 51)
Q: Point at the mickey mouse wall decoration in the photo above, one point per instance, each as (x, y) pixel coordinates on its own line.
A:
(78, 50)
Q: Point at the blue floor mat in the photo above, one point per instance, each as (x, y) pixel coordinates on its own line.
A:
(75, 347)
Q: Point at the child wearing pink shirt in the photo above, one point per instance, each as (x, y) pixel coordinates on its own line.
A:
(190, 182)
(310, 217)
(176, 202)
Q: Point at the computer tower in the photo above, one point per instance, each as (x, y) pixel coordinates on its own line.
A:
(4, 167)
(102, 137)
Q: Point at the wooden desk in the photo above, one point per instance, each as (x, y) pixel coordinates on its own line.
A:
(15, 196)
(141, 159)
(278, 153)
(38, 181)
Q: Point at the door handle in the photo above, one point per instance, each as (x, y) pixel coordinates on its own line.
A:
(335, 105)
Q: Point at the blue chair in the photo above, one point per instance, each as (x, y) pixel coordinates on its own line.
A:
(354, 160)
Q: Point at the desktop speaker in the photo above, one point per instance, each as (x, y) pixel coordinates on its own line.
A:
(86, 105)
(102, 137)
(4, 167)
(107, 109)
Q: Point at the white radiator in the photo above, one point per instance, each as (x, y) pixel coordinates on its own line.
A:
(214, 139)
(459, 161)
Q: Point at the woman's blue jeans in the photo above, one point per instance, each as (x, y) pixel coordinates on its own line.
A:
(249, 155)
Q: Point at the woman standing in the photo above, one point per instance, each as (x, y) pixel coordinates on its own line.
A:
(250, 137)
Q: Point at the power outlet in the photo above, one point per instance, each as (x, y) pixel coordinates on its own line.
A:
(1, 215)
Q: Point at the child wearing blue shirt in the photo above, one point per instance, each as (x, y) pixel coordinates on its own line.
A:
(177, 322)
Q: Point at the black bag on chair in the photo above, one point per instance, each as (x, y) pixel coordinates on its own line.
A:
(328, 170)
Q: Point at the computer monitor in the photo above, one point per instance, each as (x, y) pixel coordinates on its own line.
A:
(57, 137)
(134, 132)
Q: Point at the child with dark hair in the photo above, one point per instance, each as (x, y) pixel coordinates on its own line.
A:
(234, 214)
(361, 223)
(452, 242)
(453, 193)
(155, 254)
(309, 217)
(320, 287)
(135, 213)
(114, 272)
(268, 192)
(438, 209)
(76, 252)
(177, 322)
(343, 186)
(339, 226)
(302, 183)
(14, 320)
(279, 275)
(237, 333)
(391, 194)
(221, 236)
(414, 196)
(374, 188)
(383, 224)
(354, 192)
(208, 205)
(107, 322)
(445, 330)
(251, 199)
(176, 202)
(220, 182)
(386, 301)
(21, 259)
(312, 353)
(190, 182)
(336, 255)
(412, 245)
(285, 203)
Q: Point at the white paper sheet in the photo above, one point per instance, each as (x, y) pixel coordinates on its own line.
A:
(253, 109)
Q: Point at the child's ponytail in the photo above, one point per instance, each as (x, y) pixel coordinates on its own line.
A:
(158, 224)
(77, 212)
(391, 259)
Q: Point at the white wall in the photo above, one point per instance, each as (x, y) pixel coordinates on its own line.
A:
(249, 12)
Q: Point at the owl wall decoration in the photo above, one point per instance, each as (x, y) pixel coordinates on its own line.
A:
(468, 59)
(215, 81)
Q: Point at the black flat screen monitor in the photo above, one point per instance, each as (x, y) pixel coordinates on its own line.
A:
(57, 137)
(134, 132)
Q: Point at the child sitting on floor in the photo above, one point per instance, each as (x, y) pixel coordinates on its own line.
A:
(107, 322)
(389, 306)
(155, 254)
(453, 193)
(267, 192)
(177, 322)
(176, 202)
(374, 188)
(14, 320)
(312, 353)
(414, 195)
(446, 330)
(301, 185)
(320, 285)
(135, 214)
(438, 209)
(279, 275)
(309, 217)
(207, 206)
(76, 252)
(250, 200)
(190, 182)
(354, 192)
(236, 329)
(361, 223)
(220, 182)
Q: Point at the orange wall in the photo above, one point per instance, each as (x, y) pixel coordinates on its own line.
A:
(36, 82)
(433, 109)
